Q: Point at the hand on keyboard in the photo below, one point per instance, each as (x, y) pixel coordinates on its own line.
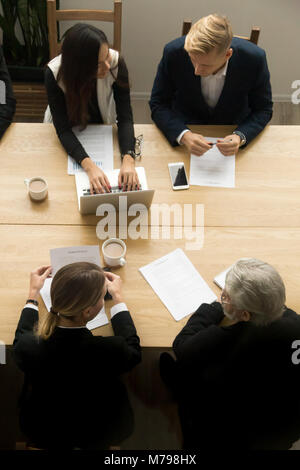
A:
(128, 178)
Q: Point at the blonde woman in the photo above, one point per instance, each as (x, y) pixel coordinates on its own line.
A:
(73, 396)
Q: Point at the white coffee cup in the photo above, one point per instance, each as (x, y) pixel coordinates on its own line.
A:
(114, 250)
(37, 188)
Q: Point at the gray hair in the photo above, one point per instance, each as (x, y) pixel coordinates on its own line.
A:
(255, 286)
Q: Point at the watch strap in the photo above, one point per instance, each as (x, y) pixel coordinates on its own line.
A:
(242, 137)
(130, 152)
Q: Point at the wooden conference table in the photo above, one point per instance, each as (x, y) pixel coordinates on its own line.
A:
(260, 217)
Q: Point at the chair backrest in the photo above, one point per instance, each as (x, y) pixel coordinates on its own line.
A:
(53, 16)
(187, 24)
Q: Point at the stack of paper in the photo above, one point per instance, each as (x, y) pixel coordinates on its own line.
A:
(212, 168)
(178, 284)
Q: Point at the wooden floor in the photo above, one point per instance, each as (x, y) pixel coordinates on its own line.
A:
(156, 421)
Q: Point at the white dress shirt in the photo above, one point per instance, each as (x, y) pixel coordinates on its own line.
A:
(211, 87)
(115, 309)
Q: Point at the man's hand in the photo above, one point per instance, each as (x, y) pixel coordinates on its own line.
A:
(229, 145)
(98, 180)
(195, 143)
(128, 177)
(37, 279)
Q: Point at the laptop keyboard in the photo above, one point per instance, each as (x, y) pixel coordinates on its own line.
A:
(114, 190)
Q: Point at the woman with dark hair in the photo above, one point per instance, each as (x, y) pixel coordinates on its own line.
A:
(88, 83)
(73, 395)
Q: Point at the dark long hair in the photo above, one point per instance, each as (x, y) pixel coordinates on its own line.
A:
(78, 70)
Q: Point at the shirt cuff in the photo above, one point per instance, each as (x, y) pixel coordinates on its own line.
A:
(180, 135)
(29, 305)
(117, 309)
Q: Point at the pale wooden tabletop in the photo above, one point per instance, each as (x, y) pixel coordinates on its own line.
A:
(267, 178)
(24, 247)
(259, 218)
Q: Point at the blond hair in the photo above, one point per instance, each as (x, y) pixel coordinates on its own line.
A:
(211, 32)
(74, 287)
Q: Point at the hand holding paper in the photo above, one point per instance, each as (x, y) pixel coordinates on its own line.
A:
(213, 168)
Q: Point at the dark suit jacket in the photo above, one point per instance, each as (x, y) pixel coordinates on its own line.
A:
(7, 110)
(246, 99)
(237, 381)
(72, 392)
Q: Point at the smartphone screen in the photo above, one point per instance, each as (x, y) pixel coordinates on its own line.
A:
(178, 175)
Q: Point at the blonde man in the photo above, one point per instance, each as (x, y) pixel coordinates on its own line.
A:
(209, 77)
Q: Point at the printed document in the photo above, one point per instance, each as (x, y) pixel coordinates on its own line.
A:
(74, 254)
(212, 168)
(97, 141)
(177, 283)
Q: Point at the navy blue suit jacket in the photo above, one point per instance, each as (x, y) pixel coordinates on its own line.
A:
(246, 99)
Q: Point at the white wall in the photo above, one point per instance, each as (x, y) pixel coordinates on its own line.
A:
(149, 24)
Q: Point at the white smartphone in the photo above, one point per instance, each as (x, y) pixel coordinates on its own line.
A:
(178, 176)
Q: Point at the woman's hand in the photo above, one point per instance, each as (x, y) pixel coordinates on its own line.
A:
(128, 176)
(114, 286)
(37, 279)
(98, 180)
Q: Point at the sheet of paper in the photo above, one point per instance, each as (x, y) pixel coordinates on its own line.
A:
(97, 140)
(177, 283)
(45, 293)
(99, 320)
(213, 168)
(220, 278)
(74, 254)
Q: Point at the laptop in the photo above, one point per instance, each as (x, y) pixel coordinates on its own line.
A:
(88, 203)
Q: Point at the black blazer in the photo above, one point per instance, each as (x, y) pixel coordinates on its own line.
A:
(72, 379)
(7, 110)
(246, 99)
(240, 378)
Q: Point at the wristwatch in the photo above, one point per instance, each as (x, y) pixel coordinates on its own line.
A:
(31, 301)
(130, 152)
(242, 136)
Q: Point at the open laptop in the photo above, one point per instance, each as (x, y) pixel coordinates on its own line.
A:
(88, 203)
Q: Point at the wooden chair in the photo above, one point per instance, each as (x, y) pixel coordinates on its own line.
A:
(31, 101)
(53, 16)
(187, 24)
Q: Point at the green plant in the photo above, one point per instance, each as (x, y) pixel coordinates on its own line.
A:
(31, 15)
